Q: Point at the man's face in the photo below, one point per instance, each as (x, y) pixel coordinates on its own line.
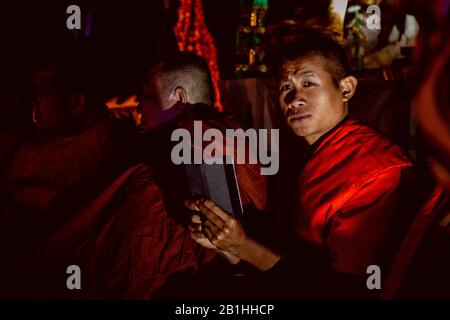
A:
(310, 101)
(49, 103)
(154, 103)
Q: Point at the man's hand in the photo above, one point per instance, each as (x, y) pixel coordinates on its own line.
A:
(226, 233)
(223, 231)
(196, 233)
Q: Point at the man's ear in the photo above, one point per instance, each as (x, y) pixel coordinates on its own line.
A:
(348, 87)
(180, 95)
(77, 103)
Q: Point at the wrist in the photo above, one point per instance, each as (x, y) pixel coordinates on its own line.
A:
(231, 258)
(244, 250)
(258, 255)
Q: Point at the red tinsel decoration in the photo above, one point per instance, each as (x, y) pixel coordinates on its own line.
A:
(193, 36)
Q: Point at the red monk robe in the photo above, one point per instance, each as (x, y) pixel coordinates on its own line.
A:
(46, 166)
(346, 210)
(124, 242)
(348, 193)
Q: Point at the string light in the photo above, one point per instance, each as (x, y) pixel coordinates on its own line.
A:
(192, 35)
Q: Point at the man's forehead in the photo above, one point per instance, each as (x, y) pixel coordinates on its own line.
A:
(308, 63)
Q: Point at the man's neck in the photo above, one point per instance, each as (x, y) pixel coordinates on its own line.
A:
(321, 137)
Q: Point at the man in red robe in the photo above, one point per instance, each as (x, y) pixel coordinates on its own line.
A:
(75, 150)
(347, 196)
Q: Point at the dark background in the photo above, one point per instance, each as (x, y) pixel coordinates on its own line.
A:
(125, 38)
(125, 34)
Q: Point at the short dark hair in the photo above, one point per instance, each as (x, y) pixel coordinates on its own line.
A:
(186, 69)
(70, 77)
(76, 69)
(75, 73)
(317, 44)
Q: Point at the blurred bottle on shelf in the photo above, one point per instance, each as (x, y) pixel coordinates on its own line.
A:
(250, 37)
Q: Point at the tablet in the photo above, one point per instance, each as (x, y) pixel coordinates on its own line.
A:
(217, 182)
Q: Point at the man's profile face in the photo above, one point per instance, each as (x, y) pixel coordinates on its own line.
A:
(49, 102)
(153, 102)
(310, 102)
